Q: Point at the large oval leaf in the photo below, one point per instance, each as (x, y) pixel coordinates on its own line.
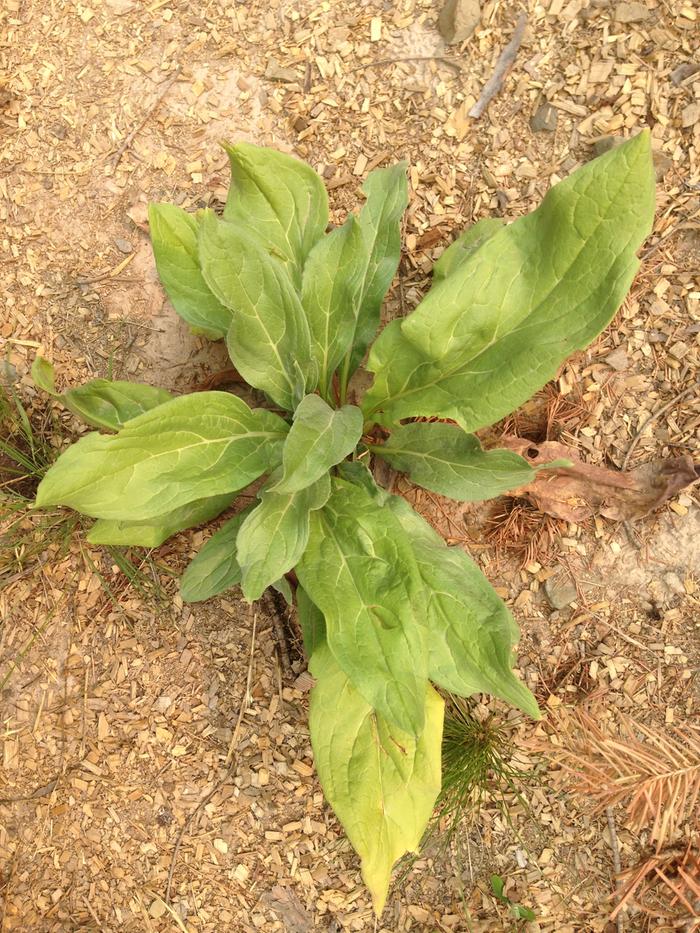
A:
(174, 240)
(268, 338)
(471, 633)
(359, 569)
(319, 438)
(278, 200)
(189, 448)
(381, 782)
(380, 221)
(332, 285)
(273, 537)
(445, 459)
(497, 328)
(154, 531)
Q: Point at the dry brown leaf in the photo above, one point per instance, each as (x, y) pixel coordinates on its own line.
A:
(584, 490)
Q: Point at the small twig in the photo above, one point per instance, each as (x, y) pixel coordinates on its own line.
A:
(279, 609)
(42, 791)
(223, 377)
(39, 792)
(230, 763)
(505, 60)
(653, 417)
(617, 864)
(116, 159)
(383, 62)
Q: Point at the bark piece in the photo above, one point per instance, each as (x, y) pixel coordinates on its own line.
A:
(631, 12)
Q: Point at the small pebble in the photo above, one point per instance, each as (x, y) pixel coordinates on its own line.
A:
(544, 119)
(560, 590)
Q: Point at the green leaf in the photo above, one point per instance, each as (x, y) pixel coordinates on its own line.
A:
(331, 290)
(273, 537)
(313, 625)
(102, 403)
(380, 220)
(284, 589)
(215, 568)
(106, 404)
(471, 633)
(497, 886)
(498, 327)
(443, 458)
(358, 473)
(359, 569)
(43, 376)
(174, 240)
(192, 447)
(268, 338)
(381, 781)
(277, 199)
(319, 438)
(155, 531)
(466, 244)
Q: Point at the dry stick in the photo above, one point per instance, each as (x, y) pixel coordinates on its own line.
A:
(147, 116)
(505, 60)
(281, 639)
(230, 763)
(382, 62)
(627, 524)
(617, 864)
(653, 417)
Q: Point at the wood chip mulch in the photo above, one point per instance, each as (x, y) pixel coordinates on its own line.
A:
(119, 706)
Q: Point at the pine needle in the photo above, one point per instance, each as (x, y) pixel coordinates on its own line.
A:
(655, 775)
(664, 886)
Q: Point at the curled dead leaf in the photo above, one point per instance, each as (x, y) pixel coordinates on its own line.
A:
(584, 490)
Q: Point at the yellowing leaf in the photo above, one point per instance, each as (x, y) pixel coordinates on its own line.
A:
(381, 782)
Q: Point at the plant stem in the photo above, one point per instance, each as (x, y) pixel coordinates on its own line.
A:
(344, 378)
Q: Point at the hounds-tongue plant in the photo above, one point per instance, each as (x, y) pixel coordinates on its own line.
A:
(389, 613)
